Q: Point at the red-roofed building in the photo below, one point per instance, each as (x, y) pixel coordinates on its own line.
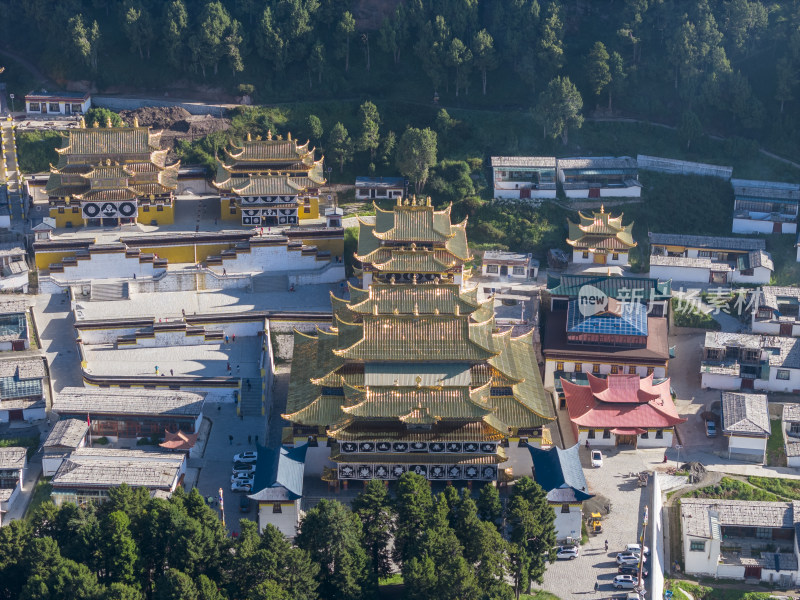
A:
(622, 410)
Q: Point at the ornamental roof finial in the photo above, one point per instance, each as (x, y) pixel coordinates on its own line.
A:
(135, 121)
(82, 124)
(269, 134)
(249, 137)
(602, 209)
(289, 135)
(108, 122)
(428, 201)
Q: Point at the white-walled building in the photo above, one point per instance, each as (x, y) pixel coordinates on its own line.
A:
(13, 461)
(776, 311)
(765, 206)
(622, 410)
(88, 473)
(57, 103)
(600, 177)
(708, 259)
(379, 188)
(740, 539)
(65, 437)
(745, 422)
(21, 389)
(524, 177)
(791, 433)
(560, 474)
(733, 361)
(14, 333)
(278, 487)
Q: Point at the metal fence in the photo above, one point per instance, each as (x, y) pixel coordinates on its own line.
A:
(682, 167)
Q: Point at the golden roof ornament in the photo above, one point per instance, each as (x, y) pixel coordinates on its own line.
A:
(414, 279)
(416, 309)
(602, 209)
(280, 137)
(249, 137)
(82, 123)
(436, 311)
(289, 135)
(374, 309)
(418, 381)
(269, 134)
(135, 121)
(96, 124)
(396, 311)
(457, 311)
(108, 123)
(399, 201)
(428, 201)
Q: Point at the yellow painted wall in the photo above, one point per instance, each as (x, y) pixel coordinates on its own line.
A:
(45, 259)
(174, 254)
(313, 207)
(334, 246)
(206, 250)
(166, 216)
(225, 212)
(62, 219)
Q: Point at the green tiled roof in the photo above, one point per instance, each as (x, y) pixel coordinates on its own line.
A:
(401, 338)
(613, 287)
(427, 298)
(592, 230)
(440, 402)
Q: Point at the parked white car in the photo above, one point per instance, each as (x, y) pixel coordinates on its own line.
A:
(597, 458)
(627, 558)
(627, 582)
(567, 552)
(243, 477)
(636, 549)
(248, 457)
(241, 486)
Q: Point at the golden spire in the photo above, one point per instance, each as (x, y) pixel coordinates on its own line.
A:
(416, 309)
(428, 201)
(399, 201)
(249, 137)
(108, 122)
(135, 121)
(289, 136)
(602, 209)
(82, 123)
(96, 124)
(269, 134)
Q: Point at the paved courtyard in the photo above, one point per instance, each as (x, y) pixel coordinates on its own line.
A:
(576, 578)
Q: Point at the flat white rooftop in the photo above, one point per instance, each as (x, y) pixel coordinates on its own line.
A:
(204, 360)
(169, 304)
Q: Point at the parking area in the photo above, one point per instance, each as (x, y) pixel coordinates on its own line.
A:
(576, 578)
(216, 464)
(691, 400)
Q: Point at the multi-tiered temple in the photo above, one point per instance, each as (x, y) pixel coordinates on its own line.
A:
(272, 182)
(414, 375)
(111, 176)
(600, 238)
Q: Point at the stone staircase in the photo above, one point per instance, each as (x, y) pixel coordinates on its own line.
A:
(270, 284)
(250, 401)
(109, 290)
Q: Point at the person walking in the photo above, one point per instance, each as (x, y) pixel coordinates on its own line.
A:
(156, 369)
(596, 586)
(229, 367)
(226, 338)
(233, 338)
(230, 439)
(238, 369)
(606, 545)
(171, 373)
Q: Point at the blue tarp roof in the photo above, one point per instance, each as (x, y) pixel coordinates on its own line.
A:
(560, 474)
(279, 473)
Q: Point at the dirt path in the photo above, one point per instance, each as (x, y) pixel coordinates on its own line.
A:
(29, 66)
